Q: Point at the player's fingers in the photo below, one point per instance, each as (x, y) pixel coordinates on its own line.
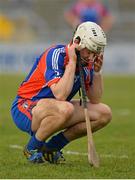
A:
(75, 46)
(99, 60)
(101, 56)
(97, 64)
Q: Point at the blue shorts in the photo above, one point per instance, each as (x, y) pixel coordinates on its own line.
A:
(21, 114)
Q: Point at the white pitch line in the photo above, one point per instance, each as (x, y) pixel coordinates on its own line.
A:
(123, 112)
(15, 146)
(101, 155)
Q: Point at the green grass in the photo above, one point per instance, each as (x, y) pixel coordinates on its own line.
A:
(117, 139)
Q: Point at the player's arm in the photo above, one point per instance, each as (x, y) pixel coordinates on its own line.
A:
(96, 89)
(63, 87)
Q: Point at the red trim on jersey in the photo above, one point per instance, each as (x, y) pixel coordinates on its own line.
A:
(25, 106)
(87, 82)
(53, 81)
(90, 65)
(66, 59)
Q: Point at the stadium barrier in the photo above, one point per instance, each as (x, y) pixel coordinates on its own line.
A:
(14, 58)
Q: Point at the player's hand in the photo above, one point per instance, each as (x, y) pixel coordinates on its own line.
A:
(72, 53)
(98, 62)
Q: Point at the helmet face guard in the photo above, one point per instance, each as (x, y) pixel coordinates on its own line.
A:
(91, 36)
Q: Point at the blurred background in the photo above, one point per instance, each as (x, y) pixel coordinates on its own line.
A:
(28, 27)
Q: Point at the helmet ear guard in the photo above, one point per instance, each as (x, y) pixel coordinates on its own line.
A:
(90, 36)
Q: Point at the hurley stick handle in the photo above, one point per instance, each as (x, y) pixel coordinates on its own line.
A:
(92, 154)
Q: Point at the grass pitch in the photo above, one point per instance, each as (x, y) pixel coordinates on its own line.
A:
(115, 143)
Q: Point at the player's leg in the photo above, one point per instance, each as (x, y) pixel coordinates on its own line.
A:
(100, 115)
(21, 113)
(48, 117)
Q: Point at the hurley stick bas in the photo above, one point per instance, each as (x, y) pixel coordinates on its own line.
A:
(92, 154)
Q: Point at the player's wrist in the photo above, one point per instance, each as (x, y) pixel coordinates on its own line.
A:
(72, 62)
(71, 65)
(97, 72)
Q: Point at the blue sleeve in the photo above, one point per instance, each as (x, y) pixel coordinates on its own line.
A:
(54, 65)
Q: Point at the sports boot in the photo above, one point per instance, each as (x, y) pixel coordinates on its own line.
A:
(52, 156)
(34, 156)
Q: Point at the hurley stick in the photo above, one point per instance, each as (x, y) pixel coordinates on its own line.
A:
(92, 154)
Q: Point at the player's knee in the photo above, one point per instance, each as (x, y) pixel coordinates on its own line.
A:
(64, 109)
(37, 112)
(67, 110)
(106, 115)
(44, 108)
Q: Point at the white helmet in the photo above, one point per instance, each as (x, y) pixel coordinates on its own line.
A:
(91, 36)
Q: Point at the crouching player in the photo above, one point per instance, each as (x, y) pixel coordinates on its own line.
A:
(44, 107)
